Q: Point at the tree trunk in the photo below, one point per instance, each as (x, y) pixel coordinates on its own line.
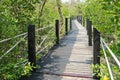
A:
(60, 13)
(41, 10)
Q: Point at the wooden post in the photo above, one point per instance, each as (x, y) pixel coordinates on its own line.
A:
(70, 23)
(81, 19)
(78, 18)
(31, 45)
(83, 22)
(96, 46)
(57, 31)
(66, 26)
(90, 33)
(87, 24)
(96, 51)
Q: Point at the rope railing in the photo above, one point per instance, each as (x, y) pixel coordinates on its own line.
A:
(110, 51)
(37, 47)
(42, 49)
(7, 52)
(23, 34)
(32, 53)
(5, 40)
(107, 61)
(105, 46)
(43, 28)
(61, 28)
(64, 26)
(47, 41)
(47, 36)
(98, 44)
(44, 39)
(62, 33)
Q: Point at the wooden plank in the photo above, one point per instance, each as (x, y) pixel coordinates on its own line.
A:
(72, 57)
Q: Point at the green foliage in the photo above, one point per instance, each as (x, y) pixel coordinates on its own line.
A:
(116, 72)
(65, 10)
(12, 71)
(105, 16)
(27, 69)
(101, 71)
(15, 16)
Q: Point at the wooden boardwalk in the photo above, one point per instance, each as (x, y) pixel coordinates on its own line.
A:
(71, 60)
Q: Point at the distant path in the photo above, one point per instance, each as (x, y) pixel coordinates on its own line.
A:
(71, 60)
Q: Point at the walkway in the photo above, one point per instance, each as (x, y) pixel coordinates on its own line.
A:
(71, 60)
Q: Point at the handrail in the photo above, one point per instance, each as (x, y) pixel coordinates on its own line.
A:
(114, 57)
(7, 52)
(61, 32)
(42, 49)
(13, 37)
(4, 40)
(108, 65)
(23, 34)
(61, 29)
(45, 38)
(97, 41)
(42, 28)
(38, 51)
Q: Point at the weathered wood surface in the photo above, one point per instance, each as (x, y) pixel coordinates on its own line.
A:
(71, 60)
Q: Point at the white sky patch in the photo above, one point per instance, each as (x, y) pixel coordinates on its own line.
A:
(64, 0)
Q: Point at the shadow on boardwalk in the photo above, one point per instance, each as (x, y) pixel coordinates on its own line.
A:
(69, 60)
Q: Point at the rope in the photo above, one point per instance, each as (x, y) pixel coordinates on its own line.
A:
(45, 38)
(112, 54)
(41, 49)
(108, 65)
(12, 48)
(13, 37)
(4, 40)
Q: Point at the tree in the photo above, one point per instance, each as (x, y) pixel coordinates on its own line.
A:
(41, 7)
(58, 2)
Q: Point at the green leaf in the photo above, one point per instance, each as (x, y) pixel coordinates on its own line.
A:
(117, 4)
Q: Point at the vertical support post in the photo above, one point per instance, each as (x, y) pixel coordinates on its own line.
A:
(66, 26)
(96, 46)
(31, 45)
(57, 31)
(78, 18)
(96, 51)
(87, 24)
(83, 22)
(81, 19)
(70, 23)
(90, 32)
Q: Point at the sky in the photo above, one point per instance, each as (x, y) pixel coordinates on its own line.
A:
(68, 0)
(65, 0)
